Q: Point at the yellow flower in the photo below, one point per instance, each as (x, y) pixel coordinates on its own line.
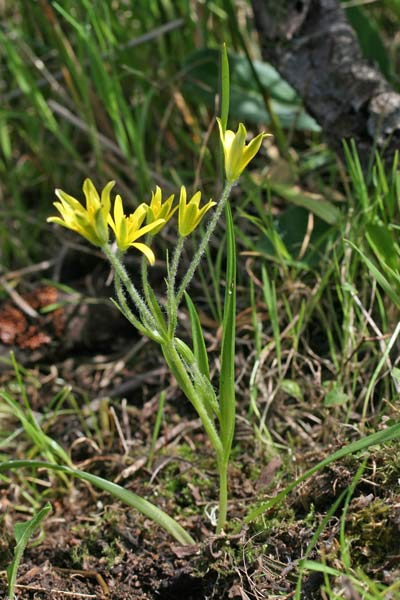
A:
(89, 222)
(128, 229)
(190, 214)
(237, 154)
(160, 210)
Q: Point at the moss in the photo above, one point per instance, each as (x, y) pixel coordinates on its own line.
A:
(374, 531)
(99, 537)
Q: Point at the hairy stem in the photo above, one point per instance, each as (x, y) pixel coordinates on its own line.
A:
(123, 276)
(177, 367)
(171, 299)
(204, 241)
(126, 311)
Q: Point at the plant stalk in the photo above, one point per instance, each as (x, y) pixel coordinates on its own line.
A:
(177, 367)
(122, 274)
(172, 304)
(223, 495)
(204, 241)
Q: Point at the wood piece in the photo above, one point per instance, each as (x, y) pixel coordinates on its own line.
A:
(314, 48)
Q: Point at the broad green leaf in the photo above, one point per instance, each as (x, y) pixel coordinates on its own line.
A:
(322, 208)
(246, 102)
(382, 243)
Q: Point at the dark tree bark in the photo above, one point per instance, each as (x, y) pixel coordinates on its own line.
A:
(315, 49)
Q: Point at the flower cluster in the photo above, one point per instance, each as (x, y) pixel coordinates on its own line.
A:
(94, 221)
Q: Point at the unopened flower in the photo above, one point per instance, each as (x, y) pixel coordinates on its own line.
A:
(159, 209)
(128, 229)
(89, 222)
(237, 154)
(190, 213)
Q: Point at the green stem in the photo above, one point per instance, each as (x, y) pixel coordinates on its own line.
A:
(150, 297)
(223, 495)
(204, 241)
(144, 271)
(178, 369)
(171, 300)
(126, 311)
(145, 281)
(122, 274)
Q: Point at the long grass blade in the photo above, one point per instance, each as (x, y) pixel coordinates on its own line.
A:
(381, 437)
(378, 275)
(227, 377)
(126, 496)
(23, 532)
(225, 87)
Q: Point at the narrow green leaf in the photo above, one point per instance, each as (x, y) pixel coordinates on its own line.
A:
(225, 87)
(356, 173)
(380, 278)
(156, 309)
(381, 437)
(374, 377)
(227, 376)
(321, 568)
(199, 345)
(49, 447)
(369, 37)
(156, 429)
(144, 506)
(23, 532)
(269, 293)
(135, 322)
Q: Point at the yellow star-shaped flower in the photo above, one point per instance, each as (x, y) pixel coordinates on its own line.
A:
(159, 209)
(128, 229)
(190, 213)
(89, 222)
(237, 154)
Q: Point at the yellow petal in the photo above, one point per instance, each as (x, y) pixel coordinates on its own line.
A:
(251, 150)
(148, 252)
(156, 200)
(105, 197)
(118, 214)
(147, 229)
(91, 195)
(69, 200)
